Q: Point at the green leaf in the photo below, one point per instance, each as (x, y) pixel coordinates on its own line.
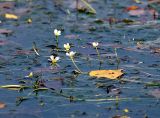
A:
(91, 9)
(153, 84)
(12, 87)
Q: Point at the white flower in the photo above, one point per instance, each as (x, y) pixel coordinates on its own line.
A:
(53, 59)
(57, 32)
(67, 46)
(95, 44)
(71, 54)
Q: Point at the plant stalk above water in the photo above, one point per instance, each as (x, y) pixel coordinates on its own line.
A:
(73, 61)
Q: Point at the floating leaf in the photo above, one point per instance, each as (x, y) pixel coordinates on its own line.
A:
(110, 74)
(12, 87)
(137, 12)
(153, 1)
(91, 9)
(10, 16)
(72, 36)
(23, 52)
(35, 49)
(21, 11)
(7, 5)
(156, 50)
(128, 21)
(132, 8)
(40, 89)
(155, 93)
(54, 84)
(138, 1)
(99, 21)
(3, 42)
(118, 116)
(5, 31)
(2, 105)
(151, 84)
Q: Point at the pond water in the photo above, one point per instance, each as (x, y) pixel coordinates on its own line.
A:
(72, 95)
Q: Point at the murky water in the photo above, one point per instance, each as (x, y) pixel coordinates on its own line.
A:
(91, 97)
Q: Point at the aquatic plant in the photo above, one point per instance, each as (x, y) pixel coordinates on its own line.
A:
(57, 33)
(71, 55)
(67, 47)
(95, 45)
(53, 59)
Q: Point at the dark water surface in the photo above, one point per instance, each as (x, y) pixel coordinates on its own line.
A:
(92, 98)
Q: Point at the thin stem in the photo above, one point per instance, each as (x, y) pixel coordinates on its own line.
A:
(98, 56)
(98, 53)
(117, 59)
(117, 101)
(76, 65)
(57, 41)
(35, 48)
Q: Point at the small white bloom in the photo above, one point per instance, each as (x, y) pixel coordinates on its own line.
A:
(95, 44)
(71, 54)
(53, 59)
(57, 32)
(67, 46)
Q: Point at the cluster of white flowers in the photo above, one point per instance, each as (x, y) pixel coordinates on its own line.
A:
(67, 47)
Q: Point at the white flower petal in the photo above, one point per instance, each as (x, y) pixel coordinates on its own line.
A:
(67, 54)
(59, 32)
(95, 44)
(72, 53)
(52, 57)
(55, 31)
(57, 58)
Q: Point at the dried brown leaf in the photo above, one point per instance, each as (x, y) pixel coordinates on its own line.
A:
(2, 105)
